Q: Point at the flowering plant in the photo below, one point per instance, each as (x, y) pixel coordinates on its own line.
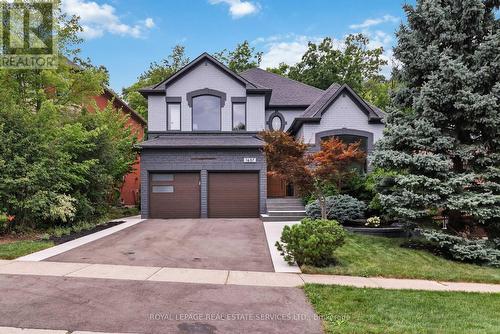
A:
(373, 221)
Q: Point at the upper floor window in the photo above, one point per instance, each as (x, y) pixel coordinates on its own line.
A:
(206, 113)
(174, 116)
(239, 117)
(276, 121)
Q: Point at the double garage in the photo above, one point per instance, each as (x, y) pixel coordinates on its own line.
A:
(229, 195)
(212, 177)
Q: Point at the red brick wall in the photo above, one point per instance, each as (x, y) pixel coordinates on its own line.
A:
(129, 193)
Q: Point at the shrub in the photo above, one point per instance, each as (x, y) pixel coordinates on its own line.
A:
(341, 208)
(373, 222)
(484, 252)
(312, 242)
(4, 220)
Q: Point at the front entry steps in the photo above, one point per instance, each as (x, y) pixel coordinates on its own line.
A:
(284, 209)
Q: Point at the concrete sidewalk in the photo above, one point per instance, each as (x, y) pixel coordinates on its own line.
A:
(227, 277)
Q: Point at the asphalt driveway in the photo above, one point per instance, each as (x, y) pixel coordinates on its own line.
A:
(232, 244)
(120, 306)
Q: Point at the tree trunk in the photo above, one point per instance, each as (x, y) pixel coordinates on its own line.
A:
(322, 205)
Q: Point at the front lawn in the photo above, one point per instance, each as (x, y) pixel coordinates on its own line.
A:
(376, 256)
(12, 250)
(355, 310)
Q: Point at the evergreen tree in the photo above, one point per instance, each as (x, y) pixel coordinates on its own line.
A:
(443, 131)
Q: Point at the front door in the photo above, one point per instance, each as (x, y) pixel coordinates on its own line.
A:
(276, 186)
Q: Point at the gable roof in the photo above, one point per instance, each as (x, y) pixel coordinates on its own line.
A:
(332, 93)
(285, 92)
(159, 88)
(316, 110)
(125, 107)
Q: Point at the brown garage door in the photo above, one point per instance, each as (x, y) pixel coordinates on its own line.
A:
(174, 195)
(233, 195)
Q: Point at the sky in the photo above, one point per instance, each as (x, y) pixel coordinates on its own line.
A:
(126, 36)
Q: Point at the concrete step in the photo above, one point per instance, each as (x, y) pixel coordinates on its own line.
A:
(274, 207)
(299, 213)
(268, 218)
(292, 201)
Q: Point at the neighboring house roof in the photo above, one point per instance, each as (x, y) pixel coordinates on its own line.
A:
(125, 107)
(285, 92)
(203, 141)
(316, 110)
(112, 95)
(160, 87)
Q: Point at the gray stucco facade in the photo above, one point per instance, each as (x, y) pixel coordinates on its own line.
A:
(203, 161)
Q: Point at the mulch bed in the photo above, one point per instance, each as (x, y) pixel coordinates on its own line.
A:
(65, 238)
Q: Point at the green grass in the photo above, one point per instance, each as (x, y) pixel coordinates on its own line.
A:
(355, 310)
(376, 256)
(16, 249)
(121, 212)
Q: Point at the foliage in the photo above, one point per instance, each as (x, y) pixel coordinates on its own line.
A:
(242, 58)
(282, 69)
(312, 242)
(59, 164)
(285, 157)
(326, 63)
(377, 91)
(342, 208)
(443, 135)
(156, 73)
(483, 252)
(349, 310)
(373, 222)
(369, 256)
(312, 173)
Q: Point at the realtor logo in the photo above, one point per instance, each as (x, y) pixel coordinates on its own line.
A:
(27, 38)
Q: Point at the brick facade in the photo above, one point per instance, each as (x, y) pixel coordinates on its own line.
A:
(129, 192)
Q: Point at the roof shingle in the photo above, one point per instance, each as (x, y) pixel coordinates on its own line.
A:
(204, 141)
(286, 92)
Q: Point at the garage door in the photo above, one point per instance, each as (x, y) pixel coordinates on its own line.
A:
(174, 195)
(233, 195)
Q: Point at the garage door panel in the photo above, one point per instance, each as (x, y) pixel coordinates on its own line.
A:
(233, 195)
(175, 195)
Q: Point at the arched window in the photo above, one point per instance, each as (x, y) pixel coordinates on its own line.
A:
(206, 113)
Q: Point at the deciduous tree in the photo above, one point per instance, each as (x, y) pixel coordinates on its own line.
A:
(242, 58)
(157, 72)
(350, 62)
(311, 173)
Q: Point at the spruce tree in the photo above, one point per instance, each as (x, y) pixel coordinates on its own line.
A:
(443, 130)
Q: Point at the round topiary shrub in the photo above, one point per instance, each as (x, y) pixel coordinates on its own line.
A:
(312, 242)
(342, 208)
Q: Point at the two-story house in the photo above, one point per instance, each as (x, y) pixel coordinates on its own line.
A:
(203, 157)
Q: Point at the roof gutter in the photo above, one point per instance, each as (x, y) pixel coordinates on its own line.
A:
(299, 121)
